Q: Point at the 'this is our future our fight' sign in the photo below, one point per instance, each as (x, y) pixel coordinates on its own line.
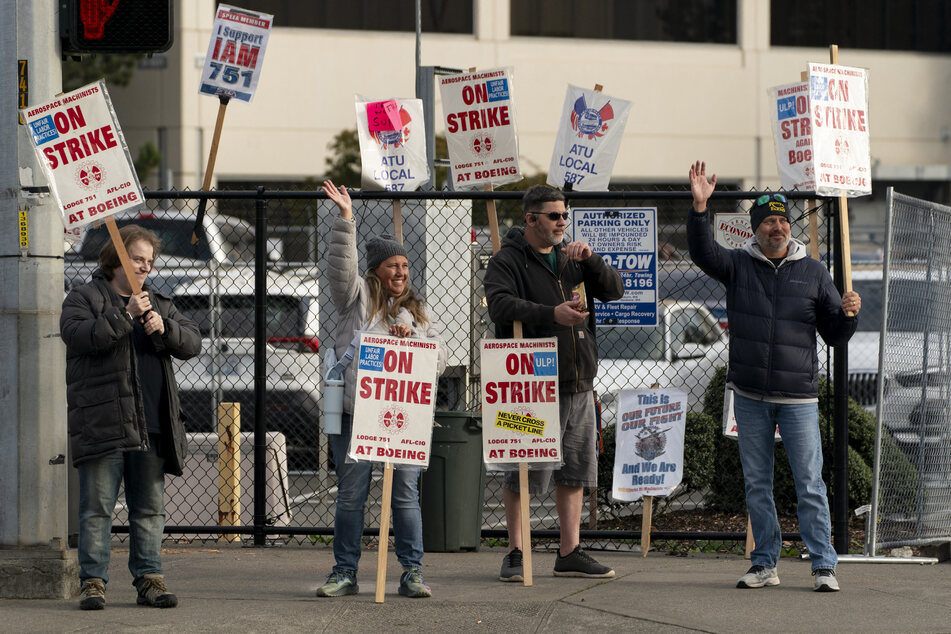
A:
(480, 128)
(392, 143)
(626, 238)
(520, 419)
(395, 400)
(648, 459)
(84, 155)
(235, 53)
(589, 135)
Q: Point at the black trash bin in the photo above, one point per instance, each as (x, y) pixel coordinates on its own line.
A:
(452, 489)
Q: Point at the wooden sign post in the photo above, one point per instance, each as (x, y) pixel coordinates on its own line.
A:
(846, 254)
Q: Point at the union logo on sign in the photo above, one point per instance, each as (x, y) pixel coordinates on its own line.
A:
(482, 145)
(89, 175)
(588, 121)
(393, 420)
(395, 138)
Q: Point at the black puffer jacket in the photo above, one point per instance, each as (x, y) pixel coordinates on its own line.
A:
(519, 285)
(774, 313)
(104, 400)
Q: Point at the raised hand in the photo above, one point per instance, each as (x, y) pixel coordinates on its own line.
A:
(340, 197)
(700, 187)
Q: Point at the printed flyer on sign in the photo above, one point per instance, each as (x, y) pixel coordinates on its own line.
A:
(392, 143)
(732, 230)
(480, 128)
(395, 400)
(589, 135)
(235, 53)
(838, 97)
(520, 402)
(626, 238)
(84, 155)
(791, 122)
(649, 451)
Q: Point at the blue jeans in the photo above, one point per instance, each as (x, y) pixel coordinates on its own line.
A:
(353, 486)
(799, 426)
(144, 476)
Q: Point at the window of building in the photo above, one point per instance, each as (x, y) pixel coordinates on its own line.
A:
(438, 16)
(706, 21)
(893, 25)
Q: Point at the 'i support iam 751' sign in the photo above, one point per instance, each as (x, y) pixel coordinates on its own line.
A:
(235, 53)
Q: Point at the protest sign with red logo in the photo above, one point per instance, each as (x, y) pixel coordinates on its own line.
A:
(732, 230)
(589, 135)
(395, 400)
(480, 128)
(520, 415)
(649, 454)
(235, 53)
(838, 97)
(392, 143)
(791, 122)
(84, 155)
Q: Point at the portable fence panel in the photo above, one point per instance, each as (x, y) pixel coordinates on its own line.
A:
(914, 479)
(213, 283)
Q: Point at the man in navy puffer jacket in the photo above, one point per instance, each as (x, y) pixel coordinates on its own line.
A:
(777, 300)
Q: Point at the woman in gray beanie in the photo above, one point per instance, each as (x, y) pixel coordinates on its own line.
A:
(380, 301)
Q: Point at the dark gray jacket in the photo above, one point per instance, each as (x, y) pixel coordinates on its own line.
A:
(103, 397)
(519, 286)
(774, 313)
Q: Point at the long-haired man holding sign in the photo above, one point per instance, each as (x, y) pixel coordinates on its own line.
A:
(532, 279)
(777, 298)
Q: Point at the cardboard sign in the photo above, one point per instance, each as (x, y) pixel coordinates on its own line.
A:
(649, 450)
(84, 155)
(235, 53)
(732, 230)
(838, 99)
(626, 238)
(520, 415)
(383, 116)
(791, 122)
(395, 400)
(589, 135)
(393, 159)
(480, 128)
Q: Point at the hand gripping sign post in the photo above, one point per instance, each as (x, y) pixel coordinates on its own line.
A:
(232, 69)
(392, 148)
(648, 459)
(589, 135)
(520, 414)
(393, 415)
(480, 133)
(84, 155)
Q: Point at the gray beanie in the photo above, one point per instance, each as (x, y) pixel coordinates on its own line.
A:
(382, 247)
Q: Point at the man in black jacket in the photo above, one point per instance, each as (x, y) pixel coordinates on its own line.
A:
(531, 279)
(123, 410)
(777, 299)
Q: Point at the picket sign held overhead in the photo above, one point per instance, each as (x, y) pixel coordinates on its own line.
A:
(232, 69)
(481, 135)
(84, 155)
(589, 135)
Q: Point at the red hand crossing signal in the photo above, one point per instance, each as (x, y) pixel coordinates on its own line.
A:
(115, 26)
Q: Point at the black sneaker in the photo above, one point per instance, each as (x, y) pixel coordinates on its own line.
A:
(578, 563)
(512, 567)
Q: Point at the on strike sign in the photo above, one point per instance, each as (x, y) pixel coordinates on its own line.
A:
(839, 101)
(235, 53)
(480, 128)
(792, 135)
(84, 155)
(520, 416)
(395, 400)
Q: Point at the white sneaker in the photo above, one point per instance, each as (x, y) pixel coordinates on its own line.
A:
(825, 580)
(757, 577)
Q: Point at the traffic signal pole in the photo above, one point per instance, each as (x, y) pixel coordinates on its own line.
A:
(34, 559)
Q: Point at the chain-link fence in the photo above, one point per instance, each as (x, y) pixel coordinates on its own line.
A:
(914, 472)
(292, 321)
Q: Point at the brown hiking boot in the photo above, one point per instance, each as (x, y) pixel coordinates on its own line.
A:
(153, 593)
(92, 596)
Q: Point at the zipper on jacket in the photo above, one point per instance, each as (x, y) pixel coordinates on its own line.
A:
(772, 327)
(561, 289)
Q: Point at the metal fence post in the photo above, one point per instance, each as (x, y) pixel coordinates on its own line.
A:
(260, 366)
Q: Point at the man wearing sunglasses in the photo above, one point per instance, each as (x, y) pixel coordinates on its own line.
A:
(532, 279)
(777, 298)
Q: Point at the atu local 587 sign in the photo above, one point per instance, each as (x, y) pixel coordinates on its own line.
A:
(480, 128)
(84, 155)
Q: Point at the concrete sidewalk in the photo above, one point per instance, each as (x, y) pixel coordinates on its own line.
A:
(234, 588)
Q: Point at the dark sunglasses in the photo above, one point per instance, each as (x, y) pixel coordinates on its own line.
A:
(552, 215)
(762, 200)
